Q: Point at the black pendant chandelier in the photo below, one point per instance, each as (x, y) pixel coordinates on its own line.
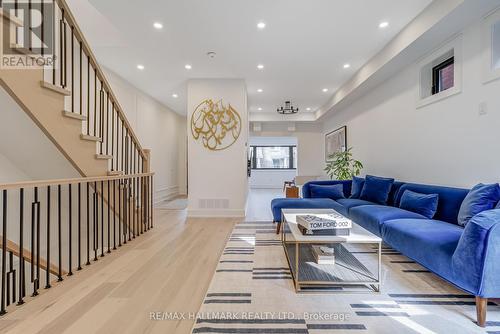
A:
(287, 109)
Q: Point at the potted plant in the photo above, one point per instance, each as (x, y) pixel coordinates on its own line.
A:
(342, 166)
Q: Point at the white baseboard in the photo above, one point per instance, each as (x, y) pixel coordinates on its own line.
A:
(165, 193)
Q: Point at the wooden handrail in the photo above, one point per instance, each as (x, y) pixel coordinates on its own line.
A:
(44, 183)
(86, 47)
(15, 249)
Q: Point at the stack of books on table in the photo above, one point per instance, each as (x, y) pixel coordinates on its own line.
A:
(324, 224)
(323, 254)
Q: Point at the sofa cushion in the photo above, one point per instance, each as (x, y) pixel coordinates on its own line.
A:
(334, 192)
(357, 187)
(450, 199)
(349, 203)
(371, 217)
(299, 203)
(423, 204)
(376, 189)
(427, 241)
(480, 198)
(306, 188)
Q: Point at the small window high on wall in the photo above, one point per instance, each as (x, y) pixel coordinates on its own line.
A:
(441, 73)
(491, 37)
(443, 76)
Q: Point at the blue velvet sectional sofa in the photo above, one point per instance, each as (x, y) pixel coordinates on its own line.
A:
(467, 257)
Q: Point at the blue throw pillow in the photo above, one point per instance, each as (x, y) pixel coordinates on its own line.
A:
(480, 198)
(423, 204)
(357, 187)
(376, 189)
(334, 192)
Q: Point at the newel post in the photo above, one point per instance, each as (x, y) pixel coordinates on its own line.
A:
(146, 162)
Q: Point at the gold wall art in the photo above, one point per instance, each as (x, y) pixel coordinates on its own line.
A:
(217, 126)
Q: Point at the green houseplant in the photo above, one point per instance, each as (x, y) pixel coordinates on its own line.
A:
(342, 166)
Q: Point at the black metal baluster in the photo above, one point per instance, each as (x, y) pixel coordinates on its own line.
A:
(70, 229)
(120, 217)
(114, 214)
(11, 280)
(88, 224)
(151, 200)
(47, 272)
(4, 251)
(21, 246)
(96, 223)
(59, 235)
(79, 226)
(109, 219)
(102, 218)
(35, 242)
(95, 102)
(72, 69)
(81, 81)
(88, 96)
(38, 218)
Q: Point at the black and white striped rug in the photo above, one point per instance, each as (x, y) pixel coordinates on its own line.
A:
(252, 292)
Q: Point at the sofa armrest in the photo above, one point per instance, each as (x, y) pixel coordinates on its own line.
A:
(306, 189)
(475, 261)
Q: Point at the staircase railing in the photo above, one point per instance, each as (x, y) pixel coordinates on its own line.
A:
(89, 95)
(58, 227)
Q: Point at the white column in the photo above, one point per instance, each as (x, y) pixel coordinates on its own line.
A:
(217, 179)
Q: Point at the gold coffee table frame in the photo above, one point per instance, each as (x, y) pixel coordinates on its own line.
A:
(360, 275)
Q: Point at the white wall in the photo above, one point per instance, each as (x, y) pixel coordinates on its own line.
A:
(218, 182)
(445, 143)
(159, 129)
(272, 179)
(310, 144)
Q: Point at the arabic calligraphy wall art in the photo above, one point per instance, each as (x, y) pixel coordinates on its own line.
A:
(216, 125)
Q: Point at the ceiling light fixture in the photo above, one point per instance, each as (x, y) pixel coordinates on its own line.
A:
(261, 25)
(287, 109)
(384, 24)
(308, 109)
(175, 96)
(259, 108)
(325, 90)
(259, 90)
(188, 67)
(140, 67)
(347, 65)
(260, 67)
(158, 25)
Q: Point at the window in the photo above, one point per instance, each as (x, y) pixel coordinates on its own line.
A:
(273, 157)
(443, 76)
(440, 74)
(491, 40)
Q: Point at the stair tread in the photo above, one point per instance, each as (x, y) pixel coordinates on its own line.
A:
(90, 138)
(55, 88)
(103, 156)
(73, 115)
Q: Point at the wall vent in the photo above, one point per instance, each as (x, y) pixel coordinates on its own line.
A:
(214, 203)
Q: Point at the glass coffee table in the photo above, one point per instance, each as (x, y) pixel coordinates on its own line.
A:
(354, 265)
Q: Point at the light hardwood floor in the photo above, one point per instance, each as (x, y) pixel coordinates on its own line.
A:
(167, 269)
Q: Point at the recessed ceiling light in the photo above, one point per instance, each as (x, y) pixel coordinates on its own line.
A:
(259, 108)
(384, 24)
(158, 25)
(347, 65)
(260, 67)
(259, 90)
(140, 67)
(188, 67)
(175, 96)
(325, 90)
(261, 25)
(308, 109)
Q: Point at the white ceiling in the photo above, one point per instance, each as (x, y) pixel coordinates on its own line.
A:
(303, 47)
